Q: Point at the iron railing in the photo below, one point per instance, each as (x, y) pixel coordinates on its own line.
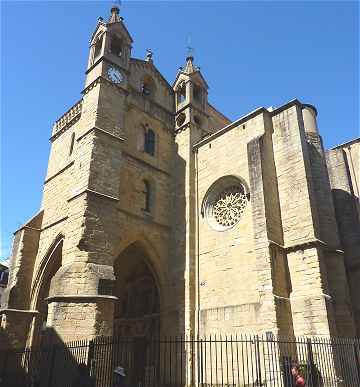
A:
(247, 360)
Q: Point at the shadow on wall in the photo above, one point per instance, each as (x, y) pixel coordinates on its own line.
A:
(177, 255)
(347, 219)
(93, 363)
(349, 229)
(51, 364)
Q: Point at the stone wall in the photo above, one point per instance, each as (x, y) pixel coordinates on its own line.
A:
(328, 234)
(233, 291)
(342, 164)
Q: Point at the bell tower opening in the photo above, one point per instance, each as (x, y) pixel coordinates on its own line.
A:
(116, 46)
(190, 90)
(181, 93)
(137, 312)
(98, 47)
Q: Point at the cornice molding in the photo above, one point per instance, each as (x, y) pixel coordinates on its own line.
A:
(27, 228)
(146, 164)
(80, 298)
(147, 219)
(59, 172)
(102, 131)
(109, 61)
(92, 192)
(308, 244)
(101, 79)
(54, 223)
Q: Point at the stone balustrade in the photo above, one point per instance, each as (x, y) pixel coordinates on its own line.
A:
(68, 118)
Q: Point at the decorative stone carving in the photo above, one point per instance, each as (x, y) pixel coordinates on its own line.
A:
(229, 206)
(225, 203)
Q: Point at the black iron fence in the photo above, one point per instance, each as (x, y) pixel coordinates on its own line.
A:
(231, 361)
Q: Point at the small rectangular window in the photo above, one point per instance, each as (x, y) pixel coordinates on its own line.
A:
(150, 142)
(72, 142)
(147, 196)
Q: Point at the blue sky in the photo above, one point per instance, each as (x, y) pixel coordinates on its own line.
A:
(251, 53)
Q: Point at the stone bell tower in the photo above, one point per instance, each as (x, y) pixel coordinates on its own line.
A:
(110, 50)
(191, 99)
(92, 204)
(191, 124)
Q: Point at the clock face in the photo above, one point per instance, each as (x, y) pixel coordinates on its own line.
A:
(115, 75)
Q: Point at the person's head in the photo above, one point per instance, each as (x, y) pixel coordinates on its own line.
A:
(294, 369)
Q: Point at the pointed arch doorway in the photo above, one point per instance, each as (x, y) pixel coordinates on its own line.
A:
(137, 312)
(48, 268)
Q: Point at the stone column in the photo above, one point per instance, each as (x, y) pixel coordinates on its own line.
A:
(329, 247)
(310, 301)
(271, 262)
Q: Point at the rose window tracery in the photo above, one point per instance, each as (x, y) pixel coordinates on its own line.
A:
(225, 203)
(229, 206)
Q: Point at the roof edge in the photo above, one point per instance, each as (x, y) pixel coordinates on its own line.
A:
(347, 143)
(244, 118)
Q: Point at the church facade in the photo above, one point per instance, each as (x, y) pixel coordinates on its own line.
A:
(161, 217)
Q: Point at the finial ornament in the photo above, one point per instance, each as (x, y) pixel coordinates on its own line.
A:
(115, 10)
(149, 55)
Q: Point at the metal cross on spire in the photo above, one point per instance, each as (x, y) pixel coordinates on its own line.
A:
(190, 49)
(117, 3)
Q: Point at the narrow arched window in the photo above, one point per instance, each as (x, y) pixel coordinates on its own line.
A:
(181, 93)
(197, 93)
(147, 86)
(98, 47)
(72, 143)
(149, 143)
(116, 46)
(147, 196)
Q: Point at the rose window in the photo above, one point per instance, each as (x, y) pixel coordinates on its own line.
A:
(229, 206)
(225, 203)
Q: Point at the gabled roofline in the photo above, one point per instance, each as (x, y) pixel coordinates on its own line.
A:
(219, 112)
(142, 61)
(101, 23)
(180, 72)
(244, 119)
(229, 127)
(347, 143)
(126, 30)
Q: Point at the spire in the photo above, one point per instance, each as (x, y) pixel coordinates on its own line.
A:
(115, 10)
(189, 66)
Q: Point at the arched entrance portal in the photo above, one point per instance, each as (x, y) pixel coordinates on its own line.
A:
(137, 312)
(50, 265)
